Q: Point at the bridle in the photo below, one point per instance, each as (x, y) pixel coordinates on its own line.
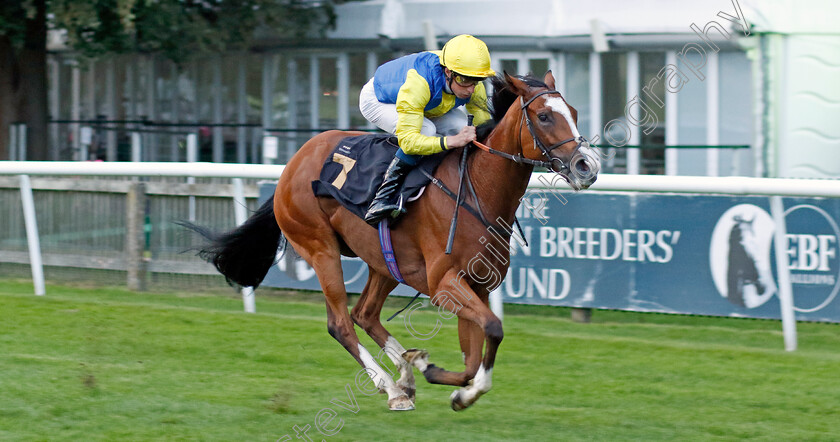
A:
(564, 168)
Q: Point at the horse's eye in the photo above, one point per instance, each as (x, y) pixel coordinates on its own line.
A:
(543, 117)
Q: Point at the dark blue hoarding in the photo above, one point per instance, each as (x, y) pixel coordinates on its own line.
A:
(695, 254)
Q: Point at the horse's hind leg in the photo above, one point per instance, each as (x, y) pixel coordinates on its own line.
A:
(366, 313)
(328, 268)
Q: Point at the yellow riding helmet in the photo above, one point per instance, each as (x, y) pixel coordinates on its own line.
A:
(468, 56)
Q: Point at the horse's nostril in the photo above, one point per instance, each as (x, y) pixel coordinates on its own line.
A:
(581, 167)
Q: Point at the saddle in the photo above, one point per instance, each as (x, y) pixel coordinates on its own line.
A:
(355, 168)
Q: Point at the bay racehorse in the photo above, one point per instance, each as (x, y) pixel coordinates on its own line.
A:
(532, 126)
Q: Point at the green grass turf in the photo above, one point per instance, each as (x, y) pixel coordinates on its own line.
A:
(107, 364)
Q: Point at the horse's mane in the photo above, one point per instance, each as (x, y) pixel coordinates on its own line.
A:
(501, 100)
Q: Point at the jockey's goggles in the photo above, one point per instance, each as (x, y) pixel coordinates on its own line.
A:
(465, 81)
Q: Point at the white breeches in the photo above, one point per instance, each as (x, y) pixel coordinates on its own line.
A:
(384, 116)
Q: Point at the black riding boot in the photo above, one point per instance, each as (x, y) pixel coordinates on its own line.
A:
(383, 203)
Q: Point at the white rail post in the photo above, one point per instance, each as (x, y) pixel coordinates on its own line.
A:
(240, 213)
(32, 239)
(135, 239)
(783, 273)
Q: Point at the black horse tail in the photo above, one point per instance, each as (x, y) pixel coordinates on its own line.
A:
(245, 254)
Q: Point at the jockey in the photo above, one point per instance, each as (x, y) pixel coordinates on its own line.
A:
(418, 98)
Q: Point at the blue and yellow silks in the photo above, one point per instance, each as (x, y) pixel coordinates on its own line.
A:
(417, 85)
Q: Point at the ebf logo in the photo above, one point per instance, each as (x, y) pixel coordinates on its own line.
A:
(742, 258)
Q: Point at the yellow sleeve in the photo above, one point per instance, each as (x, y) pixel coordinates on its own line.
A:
(477, 106)
(412, 99)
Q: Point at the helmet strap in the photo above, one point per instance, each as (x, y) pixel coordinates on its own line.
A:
(449, 79)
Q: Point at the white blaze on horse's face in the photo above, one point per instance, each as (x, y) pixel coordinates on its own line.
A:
(580, 178)
(558, 104)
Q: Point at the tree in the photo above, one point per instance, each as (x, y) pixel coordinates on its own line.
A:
(23, 73)
(178, 29)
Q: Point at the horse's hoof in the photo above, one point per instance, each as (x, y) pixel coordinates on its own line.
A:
(410, 392)
(419, 359)
(400, 403)
(414, 354)
(457, 401)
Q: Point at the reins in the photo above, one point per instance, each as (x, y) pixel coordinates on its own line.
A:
(515, 158)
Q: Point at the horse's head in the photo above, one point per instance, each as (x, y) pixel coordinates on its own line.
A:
(549, 124)
(744, 224)
(743, 235)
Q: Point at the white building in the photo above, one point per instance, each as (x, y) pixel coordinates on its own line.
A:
(759, 78)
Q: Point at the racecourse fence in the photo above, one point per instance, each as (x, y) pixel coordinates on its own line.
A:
(83, 222)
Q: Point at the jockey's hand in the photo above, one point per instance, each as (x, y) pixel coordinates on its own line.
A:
(464, 137)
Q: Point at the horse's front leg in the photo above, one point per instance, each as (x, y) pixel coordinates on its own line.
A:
(472, 340)
(476, 325)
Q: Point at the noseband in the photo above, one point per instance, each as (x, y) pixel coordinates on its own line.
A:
(564, 167)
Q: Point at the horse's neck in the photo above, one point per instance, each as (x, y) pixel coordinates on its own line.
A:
(499, 182)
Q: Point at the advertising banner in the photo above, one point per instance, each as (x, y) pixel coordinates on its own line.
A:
(693, 254)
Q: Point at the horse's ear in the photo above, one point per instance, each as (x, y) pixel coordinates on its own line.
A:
(516, 85)
(549, 80)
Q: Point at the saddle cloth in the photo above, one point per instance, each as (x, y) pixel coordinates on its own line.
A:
(356, 167)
